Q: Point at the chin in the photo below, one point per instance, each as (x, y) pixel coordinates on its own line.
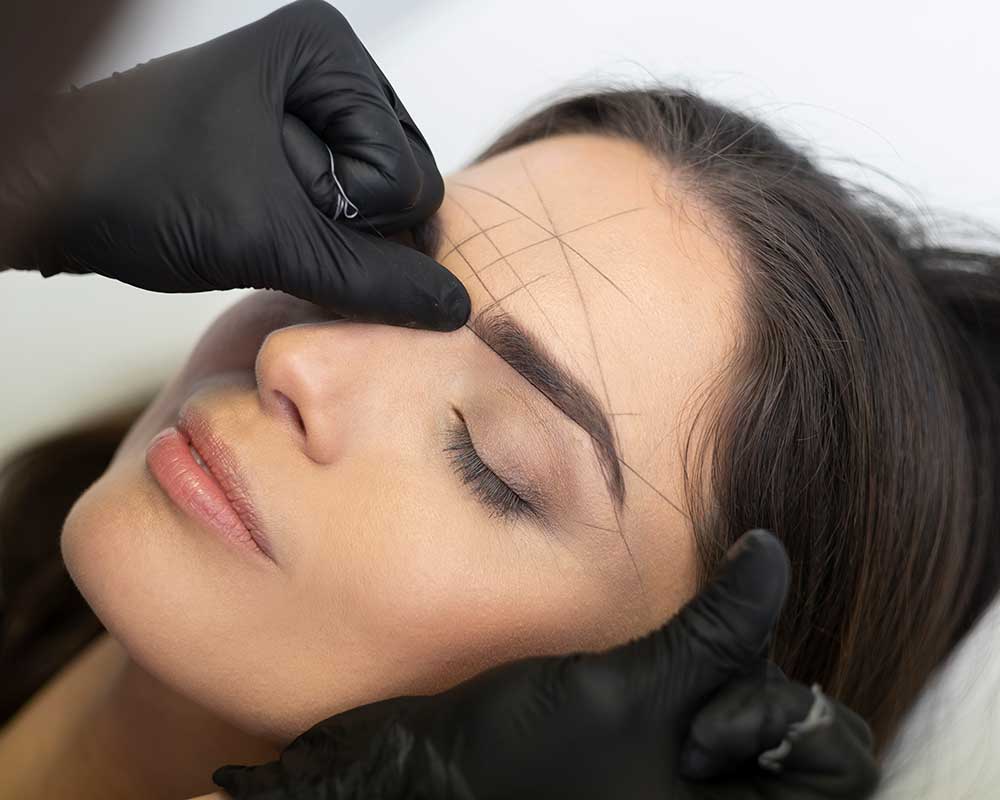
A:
(109, 534)
(173, 598)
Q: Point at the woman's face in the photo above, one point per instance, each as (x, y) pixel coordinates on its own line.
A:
(401, 565)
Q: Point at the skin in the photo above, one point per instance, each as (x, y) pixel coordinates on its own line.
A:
(392, 578)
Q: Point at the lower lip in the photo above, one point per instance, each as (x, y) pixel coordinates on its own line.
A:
(192, 488)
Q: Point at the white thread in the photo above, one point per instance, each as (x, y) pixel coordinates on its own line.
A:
(820, 715)
(344, 204)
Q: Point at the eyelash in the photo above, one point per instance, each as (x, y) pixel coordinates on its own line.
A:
(485, 484)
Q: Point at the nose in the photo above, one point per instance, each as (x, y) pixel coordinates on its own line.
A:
(294, 387)
(319, 382)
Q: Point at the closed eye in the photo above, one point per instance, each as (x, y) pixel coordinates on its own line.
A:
(492, 491)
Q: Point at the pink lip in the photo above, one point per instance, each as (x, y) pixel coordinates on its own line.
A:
(217, 496)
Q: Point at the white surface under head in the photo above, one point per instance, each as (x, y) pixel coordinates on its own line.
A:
(905, 87)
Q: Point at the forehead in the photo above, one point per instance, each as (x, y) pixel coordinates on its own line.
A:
(589, 242)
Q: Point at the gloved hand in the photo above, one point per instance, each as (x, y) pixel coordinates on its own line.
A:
(681, 714)
(208, 169)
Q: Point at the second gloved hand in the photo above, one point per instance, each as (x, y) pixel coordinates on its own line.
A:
(681, 714)
(208, 169)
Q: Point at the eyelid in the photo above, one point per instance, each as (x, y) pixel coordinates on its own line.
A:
(499, 331)
(547, 459)
(528, 499)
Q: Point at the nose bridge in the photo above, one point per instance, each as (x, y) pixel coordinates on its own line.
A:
(341, 378)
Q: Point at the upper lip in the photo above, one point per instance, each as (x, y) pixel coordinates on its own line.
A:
(225, 468)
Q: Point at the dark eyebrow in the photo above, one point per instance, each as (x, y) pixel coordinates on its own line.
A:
(508, 339)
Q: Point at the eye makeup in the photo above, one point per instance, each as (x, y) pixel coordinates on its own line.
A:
(508, 499)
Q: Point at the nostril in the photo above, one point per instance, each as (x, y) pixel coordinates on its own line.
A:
(290, 410)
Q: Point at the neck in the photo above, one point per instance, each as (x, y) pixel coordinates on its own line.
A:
(129, 736)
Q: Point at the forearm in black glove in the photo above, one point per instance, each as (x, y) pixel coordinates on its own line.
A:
(209, 169)
(684, 713)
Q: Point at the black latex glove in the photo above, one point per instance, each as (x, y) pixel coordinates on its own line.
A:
(681, 714)
(206, 169)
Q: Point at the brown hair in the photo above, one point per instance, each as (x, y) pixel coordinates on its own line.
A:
(857, 420)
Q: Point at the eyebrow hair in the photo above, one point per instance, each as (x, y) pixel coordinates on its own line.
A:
(525, 354)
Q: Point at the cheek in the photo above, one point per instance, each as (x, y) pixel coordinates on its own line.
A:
(421, 590)
(95, 543)
(208, 623)
(405, 587)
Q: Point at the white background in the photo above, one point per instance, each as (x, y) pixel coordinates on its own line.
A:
(907, 88)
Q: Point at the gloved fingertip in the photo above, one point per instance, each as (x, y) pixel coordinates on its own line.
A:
(755, 537)
(229, 778)
(457, 307)
(444, 310)
(758, 566)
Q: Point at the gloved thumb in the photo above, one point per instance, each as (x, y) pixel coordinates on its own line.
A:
(722, 632)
